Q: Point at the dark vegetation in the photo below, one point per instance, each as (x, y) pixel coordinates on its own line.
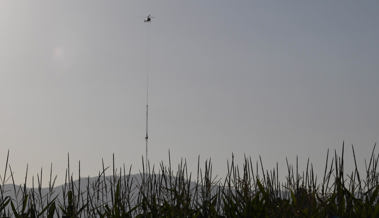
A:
(248, 190)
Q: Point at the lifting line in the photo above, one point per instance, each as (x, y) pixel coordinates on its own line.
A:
(147, 87)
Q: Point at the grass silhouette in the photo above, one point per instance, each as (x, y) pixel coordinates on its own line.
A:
(248, 190)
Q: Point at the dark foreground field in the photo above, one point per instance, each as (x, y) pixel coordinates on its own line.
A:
(248, 190)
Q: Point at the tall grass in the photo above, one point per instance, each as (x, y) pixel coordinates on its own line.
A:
(248, 190)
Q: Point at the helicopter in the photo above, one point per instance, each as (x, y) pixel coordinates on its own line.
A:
(148, 19)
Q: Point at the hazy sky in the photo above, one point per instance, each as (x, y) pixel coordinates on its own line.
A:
(275, 78)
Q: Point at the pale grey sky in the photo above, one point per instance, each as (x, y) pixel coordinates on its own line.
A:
(276, 78)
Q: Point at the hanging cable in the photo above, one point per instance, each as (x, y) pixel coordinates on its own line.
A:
(147, 21)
